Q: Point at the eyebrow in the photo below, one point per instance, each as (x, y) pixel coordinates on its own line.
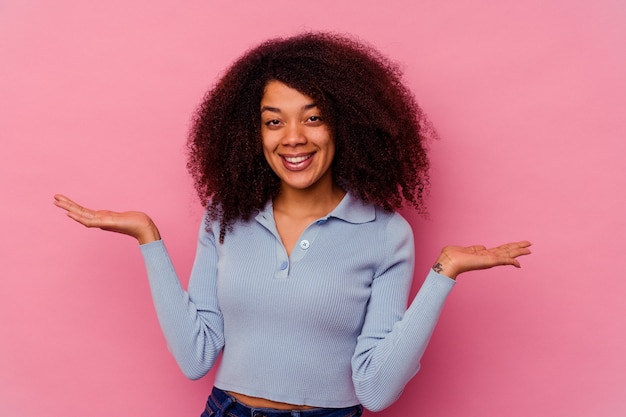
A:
(277, 110)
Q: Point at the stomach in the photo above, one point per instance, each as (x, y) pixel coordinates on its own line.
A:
(255, 402)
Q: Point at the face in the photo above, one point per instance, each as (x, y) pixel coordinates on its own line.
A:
(297, 142)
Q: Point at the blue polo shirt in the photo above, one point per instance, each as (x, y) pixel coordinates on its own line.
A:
(327, 326)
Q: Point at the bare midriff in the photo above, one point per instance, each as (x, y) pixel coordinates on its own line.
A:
(255, 402)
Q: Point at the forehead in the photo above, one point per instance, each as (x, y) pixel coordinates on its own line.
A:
(278, 94)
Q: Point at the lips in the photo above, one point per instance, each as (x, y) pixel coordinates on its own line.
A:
(297, 162)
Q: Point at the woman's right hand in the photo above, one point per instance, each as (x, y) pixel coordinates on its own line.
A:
(132, 223)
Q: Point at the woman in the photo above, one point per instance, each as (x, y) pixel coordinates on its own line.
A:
(301, 154)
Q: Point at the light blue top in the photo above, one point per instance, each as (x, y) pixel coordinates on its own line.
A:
(326, 326)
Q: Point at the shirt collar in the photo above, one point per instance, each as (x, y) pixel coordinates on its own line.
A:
(349, 209)
(353, 210)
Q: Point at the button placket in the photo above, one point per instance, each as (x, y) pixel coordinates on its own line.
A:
(285, 262)
(282, 262)
(307, 239)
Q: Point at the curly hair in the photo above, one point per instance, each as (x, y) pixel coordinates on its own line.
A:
(378, 128)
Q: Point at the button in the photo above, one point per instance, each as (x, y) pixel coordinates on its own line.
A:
(322, 221)
(304, 244)
(284, 265)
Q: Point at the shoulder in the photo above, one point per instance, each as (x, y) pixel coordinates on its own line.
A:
(372, 219)
(391, 225)
(209, 229)
(396, 230)
(392, 219)
(386, 234)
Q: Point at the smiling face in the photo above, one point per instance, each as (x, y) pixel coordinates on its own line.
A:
(297, 143)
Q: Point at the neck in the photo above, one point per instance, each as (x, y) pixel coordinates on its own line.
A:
(316, 202)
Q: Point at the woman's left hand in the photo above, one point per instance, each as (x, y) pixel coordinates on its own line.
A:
(455, 260)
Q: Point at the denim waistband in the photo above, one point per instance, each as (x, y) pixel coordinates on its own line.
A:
(227, 406)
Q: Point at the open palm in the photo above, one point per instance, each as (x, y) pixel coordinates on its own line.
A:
(132, 223)
(458, 259)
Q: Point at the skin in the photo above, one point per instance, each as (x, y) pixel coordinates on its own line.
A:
(297, 143)
(299, 148)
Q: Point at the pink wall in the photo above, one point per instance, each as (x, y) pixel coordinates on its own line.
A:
(529, 98)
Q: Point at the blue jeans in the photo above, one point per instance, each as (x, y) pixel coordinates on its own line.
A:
(221, 404)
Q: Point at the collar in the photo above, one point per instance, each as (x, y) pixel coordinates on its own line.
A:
(349, 209)
(353, 210)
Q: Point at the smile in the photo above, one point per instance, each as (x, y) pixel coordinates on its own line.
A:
(296, 159)
(297, 163)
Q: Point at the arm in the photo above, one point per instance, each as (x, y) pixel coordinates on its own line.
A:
(393, 339)
(191, 321)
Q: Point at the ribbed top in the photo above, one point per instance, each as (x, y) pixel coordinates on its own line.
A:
(326, 326)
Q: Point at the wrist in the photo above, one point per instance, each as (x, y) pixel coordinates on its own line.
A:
(444, 266)
(150, 234)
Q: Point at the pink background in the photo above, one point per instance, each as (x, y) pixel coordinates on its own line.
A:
(529, 98)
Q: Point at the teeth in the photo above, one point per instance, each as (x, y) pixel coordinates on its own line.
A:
(297, 159)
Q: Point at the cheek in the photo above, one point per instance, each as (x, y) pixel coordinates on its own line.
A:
(330, 146)
(268, 151)
(266, 142)
(268, 155)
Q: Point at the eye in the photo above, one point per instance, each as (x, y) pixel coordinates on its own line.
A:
(314, 120)
(272, 123)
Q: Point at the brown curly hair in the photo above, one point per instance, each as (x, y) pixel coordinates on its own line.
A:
(375, 121)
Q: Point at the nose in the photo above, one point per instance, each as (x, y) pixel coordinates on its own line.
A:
(294, 135)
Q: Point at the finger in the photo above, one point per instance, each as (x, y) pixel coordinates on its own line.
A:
(520, 252)
(510, 261)
(83, 216)
(519, 249)
(64, 202)
(508, 256)
(61, 200)
(76, 212)
(79, 210)
(512, 245)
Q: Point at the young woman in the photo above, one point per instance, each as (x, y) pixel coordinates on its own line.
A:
(301, 154)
